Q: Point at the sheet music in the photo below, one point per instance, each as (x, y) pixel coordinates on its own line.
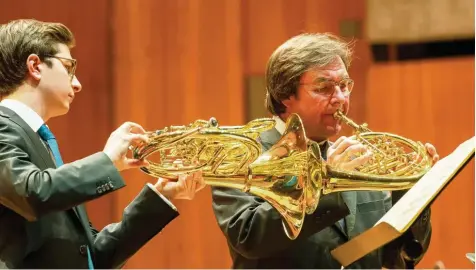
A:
(410, 206)
(402, 215)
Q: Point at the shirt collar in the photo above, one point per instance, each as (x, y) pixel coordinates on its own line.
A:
(280, 125)
(26, 113)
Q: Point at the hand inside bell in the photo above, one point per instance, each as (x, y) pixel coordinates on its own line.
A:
(347, 154)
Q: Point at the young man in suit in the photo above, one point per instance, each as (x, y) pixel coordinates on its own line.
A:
(43, 222)
(308, 75)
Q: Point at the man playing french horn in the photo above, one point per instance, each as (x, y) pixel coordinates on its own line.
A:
(308, 76)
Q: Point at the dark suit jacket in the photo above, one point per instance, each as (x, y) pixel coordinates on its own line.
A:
(43, 223)
(256, 237)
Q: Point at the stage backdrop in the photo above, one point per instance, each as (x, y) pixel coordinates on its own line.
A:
(171, 62)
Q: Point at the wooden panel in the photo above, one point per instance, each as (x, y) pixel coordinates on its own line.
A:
(433, 101)
(267, 24)
(424, 20)
(171, 62)
(178, 61)
(85, 129)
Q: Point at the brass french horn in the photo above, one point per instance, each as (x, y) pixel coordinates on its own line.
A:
(291, 175)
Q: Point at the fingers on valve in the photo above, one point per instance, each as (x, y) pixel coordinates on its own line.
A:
(132, 127)
(136, 139)
(346, 143)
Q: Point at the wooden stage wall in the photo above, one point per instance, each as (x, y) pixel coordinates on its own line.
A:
(170, 62)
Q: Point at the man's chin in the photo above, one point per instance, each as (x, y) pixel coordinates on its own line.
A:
(64, 110)
(333, 129)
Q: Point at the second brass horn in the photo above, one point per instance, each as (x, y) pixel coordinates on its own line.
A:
(291, 175)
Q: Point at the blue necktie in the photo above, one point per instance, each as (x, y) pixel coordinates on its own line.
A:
(47, 136)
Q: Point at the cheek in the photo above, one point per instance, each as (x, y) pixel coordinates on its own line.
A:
(312, 114)
(310, 109)
(51, 82)
(60, 86)
(347, 104)
(316, 107)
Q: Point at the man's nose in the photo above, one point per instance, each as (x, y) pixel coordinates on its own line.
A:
(76, 85)
(339, 96)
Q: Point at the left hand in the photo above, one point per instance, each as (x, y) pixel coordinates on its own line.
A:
(432, 152)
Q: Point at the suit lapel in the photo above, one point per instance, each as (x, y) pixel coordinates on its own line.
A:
(83, 217)
(78, 215)
(350, 198)
(339, 228)
(38, 145)
(32, 135)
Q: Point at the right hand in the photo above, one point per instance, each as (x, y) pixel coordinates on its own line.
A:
(184, 188)
(118, 144)
(347, 154)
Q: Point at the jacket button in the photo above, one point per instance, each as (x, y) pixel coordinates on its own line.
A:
(83, 250)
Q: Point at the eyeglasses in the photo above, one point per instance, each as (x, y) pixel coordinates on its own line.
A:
(70, 68)
(328, 87)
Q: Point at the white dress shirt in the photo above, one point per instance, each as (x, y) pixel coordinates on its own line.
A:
(35, 122)
(26, 113)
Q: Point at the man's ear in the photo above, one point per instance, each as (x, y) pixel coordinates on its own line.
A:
(288, 102)
(33, 65)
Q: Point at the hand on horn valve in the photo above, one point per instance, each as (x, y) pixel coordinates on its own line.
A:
(117, 146)
(347, 154)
